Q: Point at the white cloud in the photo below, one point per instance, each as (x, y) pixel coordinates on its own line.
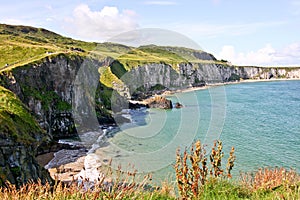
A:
(102, 24)
(266, 56)
(160, 3)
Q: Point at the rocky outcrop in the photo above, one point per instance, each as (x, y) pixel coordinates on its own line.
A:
(64, 89)
(159, 102)
(178, 105)
(48, 89)
(20, 137)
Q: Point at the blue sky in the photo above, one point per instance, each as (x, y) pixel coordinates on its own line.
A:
(257, 32)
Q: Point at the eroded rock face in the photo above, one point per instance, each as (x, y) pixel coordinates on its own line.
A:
(20, 137)
(159, 102)
(196, 75)
(48, 89)
(18, 164)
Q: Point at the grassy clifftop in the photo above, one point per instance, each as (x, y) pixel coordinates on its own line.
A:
(20, 45)
(15, 120)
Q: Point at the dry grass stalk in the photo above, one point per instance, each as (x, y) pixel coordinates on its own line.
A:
(115, 184)
(270, 179)
(192, 170)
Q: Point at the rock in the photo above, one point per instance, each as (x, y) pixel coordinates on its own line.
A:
(49, 89)
(159, 102)
(119, 119)
(136, 105)
(20, 137)
(178, 105)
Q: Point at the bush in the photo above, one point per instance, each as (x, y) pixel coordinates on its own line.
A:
(193, 172)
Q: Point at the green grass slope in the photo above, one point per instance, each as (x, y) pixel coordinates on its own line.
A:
(15, 120)
(20, 45)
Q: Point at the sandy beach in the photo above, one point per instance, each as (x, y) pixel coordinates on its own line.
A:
(68, 172)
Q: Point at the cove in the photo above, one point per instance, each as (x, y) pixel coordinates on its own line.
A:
(260, 119)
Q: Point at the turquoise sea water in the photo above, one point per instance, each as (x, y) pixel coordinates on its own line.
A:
(261, 120)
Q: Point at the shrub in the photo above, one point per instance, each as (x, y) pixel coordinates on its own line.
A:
(192, 168)
(270, 179)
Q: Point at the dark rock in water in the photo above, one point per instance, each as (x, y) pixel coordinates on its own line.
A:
(160, 102)
(137, 105)
(178, 105)
(119, 119)
(105, 119)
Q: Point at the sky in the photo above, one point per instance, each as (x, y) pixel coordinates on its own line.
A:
(256, 32)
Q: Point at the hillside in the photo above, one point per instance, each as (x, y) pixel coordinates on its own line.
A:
(57, 86)
(21, 45)
(20, 137)
(42, 67)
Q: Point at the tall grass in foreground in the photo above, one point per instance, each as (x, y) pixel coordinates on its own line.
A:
(198, 176)
(193, 171)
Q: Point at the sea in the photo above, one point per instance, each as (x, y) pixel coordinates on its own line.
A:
(261, 120)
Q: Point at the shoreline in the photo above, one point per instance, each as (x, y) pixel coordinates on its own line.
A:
(191, 89)
(74, 169)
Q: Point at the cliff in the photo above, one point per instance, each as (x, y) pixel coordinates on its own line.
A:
(20, 136)
(55, 86)
(46, 87)
(155, 77)
(67, 86)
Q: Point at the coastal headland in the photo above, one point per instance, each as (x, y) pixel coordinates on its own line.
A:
(64, 88)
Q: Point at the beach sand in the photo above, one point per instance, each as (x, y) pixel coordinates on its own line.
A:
(67, 172)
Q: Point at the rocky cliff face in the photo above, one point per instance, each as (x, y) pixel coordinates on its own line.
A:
(217, 73)
(18, 164)
(48, 88)
(61, 88)
(20, 136)
(192, 74)
(53, 88)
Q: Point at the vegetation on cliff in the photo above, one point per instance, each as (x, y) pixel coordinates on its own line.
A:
(21, 45)
(198, 176)
(20, 136)
(15, 119)
(28, 55)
